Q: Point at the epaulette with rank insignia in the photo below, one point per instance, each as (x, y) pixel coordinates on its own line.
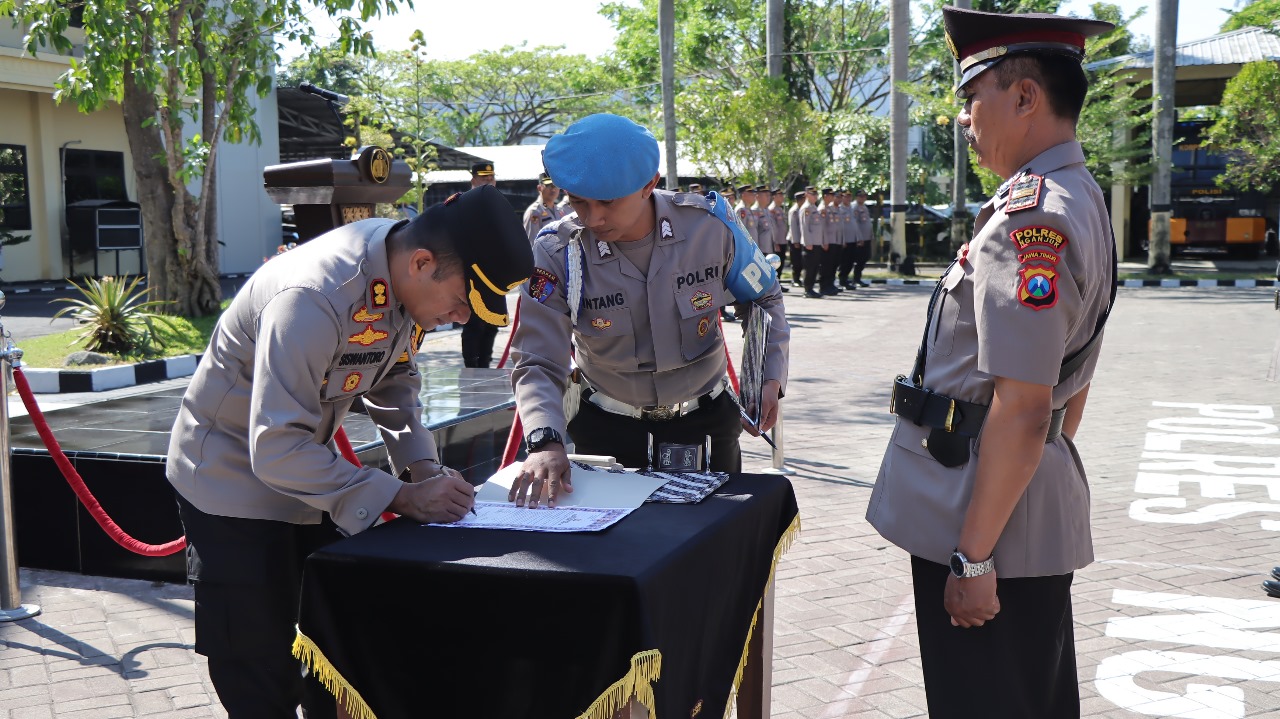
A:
(691, 199)
(1024, 193)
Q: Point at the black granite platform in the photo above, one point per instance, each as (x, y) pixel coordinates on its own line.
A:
(119, 447)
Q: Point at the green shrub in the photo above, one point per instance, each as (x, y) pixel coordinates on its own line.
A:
(120, 320)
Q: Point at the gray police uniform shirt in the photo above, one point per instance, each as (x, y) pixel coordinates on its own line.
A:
(749, 220)
(812, 226)
(860, 224)
(764, 226)
(831, 223)
(312, 331)
(680, 352)
(779, 218)
(794, 235)
(538, 215)
(1029, 292)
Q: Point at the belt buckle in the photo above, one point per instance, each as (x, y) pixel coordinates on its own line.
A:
(661, 413)
(893, 394)
(951, 413)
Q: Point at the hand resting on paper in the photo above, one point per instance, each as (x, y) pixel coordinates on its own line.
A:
(545, 474)
(768, 408)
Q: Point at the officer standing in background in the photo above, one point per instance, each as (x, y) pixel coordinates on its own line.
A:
(795, 237)
(812, 236)
(316, 329)
(730, 196)
(778, 215)
(544, 209)
(695, 188)
(764, 221)
(859, 247)
(478, 335)
(833, 241)
(981, 482)
(632, 283)
(747, 216)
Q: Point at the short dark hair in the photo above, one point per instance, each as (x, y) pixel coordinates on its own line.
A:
(1061, 77)
(416, 234)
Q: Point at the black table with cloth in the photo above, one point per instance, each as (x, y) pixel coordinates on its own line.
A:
(405, 620)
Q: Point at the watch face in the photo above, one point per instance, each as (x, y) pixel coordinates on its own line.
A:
(538, 436)
(957, 564)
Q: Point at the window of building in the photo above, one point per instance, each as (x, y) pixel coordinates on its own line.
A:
(93, 175)
(15, 200)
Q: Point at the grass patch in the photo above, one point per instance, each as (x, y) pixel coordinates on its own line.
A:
(189, 336)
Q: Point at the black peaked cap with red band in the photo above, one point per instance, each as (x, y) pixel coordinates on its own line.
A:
(980, 40)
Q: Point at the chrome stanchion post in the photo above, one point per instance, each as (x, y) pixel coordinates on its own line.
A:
(779, 449)
(11, 606)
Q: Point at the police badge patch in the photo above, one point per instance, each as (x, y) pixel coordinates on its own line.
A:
(701, 300)
(364, 316)
(351, 382)
(378, 293)
(1024, 194)
(704, 326)
(601, 323)
(541, 284)
(1039, 287)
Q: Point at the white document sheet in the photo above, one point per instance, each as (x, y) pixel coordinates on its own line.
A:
(593, 487)
(504, 515)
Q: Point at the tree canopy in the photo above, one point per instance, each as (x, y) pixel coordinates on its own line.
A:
(185, 74)
(1248, 128)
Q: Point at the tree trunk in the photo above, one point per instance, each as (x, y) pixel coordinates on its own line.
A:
(190, 283)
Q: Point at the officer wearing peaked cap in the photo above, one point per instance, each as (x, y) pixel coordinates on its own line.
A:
(315, 330)
(633, 281)
(478, 335)
(981, 482)
(543, 210)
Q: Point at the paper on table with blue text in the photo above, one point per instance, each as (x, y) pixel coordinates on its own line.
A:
(592, 487)
(504, 515)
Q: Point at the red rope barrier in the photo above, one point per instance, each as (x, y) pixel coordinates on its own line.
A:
(515, 322)
(90, 502)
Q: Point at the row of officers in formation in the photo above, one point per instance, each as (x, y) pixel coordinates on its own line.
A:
(826, 238)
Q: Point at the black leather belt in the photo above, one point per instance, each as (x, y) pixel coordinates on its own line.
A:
(930, 409)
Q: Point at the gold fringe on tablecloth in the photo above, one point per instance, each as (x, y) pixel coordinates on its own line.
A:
(309, 654)
(784, 543)
(646, 667)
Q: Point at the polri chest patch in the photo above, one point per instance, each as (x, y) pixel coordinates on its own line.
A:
(1024, 194)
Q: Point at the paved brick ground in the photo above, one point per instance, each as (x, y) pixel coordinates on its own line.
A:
(845, 637)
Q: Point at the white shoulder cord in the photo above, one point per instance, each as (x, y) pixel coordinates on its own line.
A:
(573, 266)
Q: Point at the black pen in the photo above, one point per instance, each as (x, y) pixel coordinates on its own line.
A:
(762, 435)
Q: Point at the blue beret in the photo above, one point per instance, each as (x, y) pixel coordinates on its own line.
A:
(602, 157)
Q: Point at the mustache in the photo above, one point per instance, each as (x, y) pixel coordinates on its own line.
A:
(967, 134)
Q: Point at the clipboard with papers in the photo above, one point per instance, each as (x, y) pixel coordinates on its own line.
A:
(751, 372)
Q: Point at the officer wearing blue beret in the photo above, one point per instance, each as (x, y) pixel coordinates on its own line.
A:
(981, 482)
(632, 283)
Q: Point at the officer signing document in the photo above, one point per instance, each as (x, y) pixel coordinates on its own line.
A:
(335, 321)
(981, 482)
(632, 284)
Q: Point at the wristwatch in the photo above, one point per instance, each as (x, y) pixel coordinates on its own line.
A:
(542, 437)
(962, 568)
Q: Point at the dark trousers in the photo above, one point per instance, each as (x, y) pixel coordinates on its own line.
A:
(861, 253)
(1021, 664)
(854, 258)
(813, 258)
(248, 582)
(596, 431)
(477, 342)
(797, 262)
(827, 268)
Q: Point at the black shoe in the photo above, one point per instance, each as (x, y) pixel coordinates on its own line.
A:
(863, 284)
(1275, 573)
(783, 287)
(831, 291)
(813, 295)
(1271, 587)
(849, 285)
